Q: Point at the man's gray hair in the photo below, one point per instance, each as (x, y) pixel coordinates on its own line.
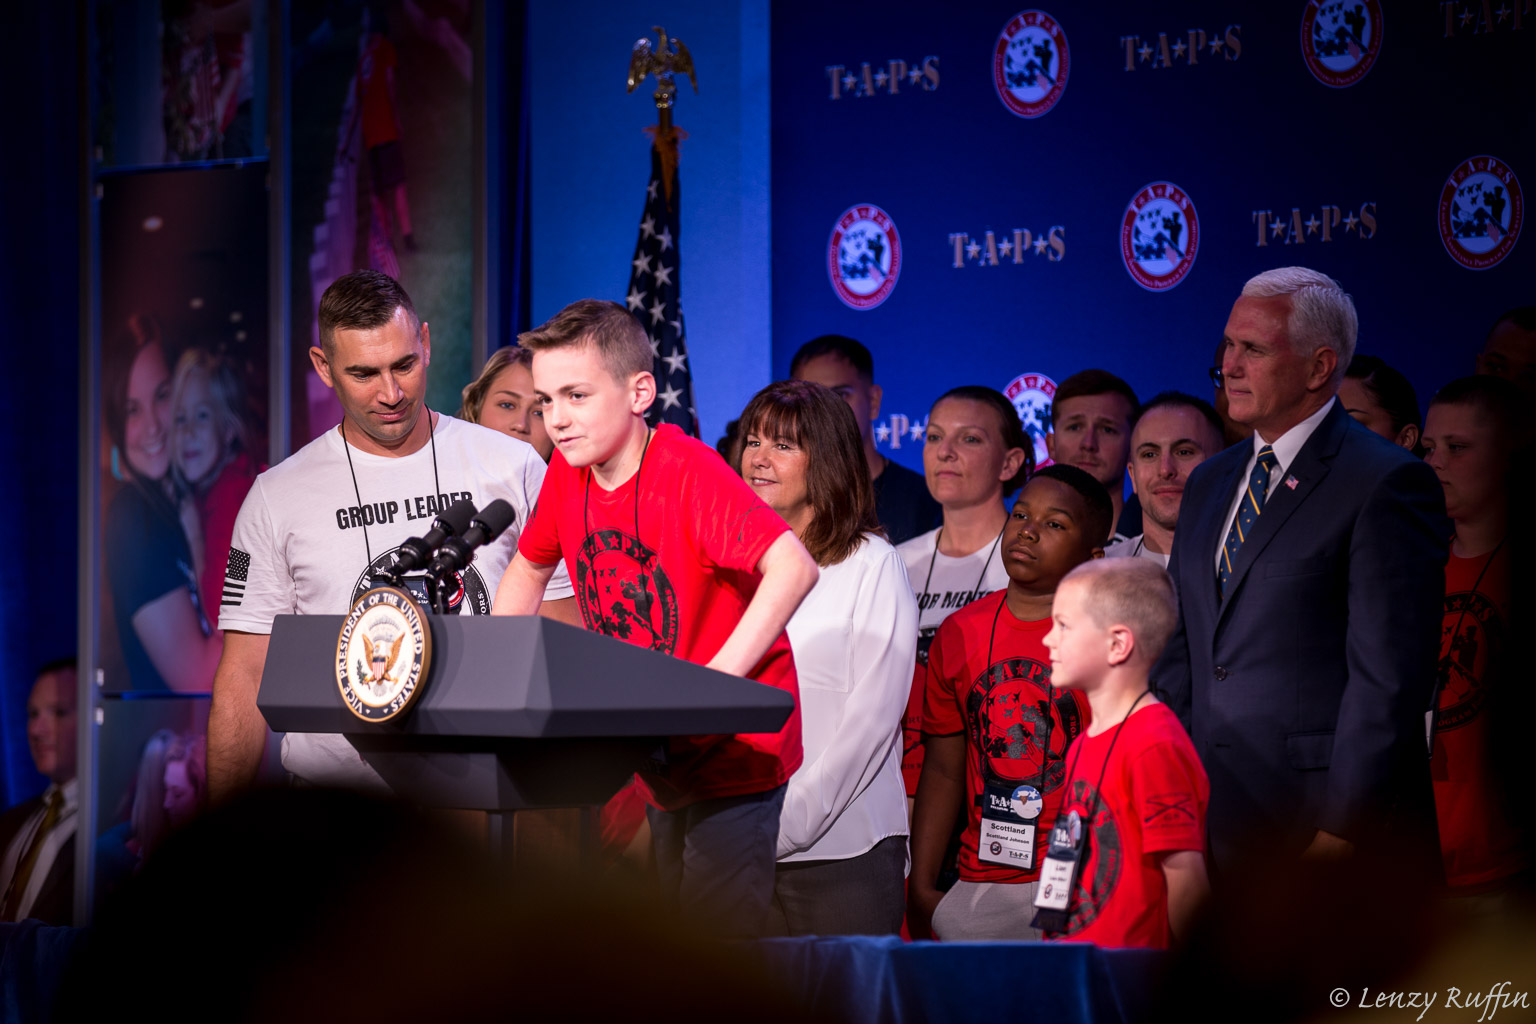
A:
(1322, 313)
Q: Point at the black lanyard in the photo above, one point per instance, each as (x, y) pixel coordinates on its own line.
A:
(986, 562)
(1050, 704)
(1098, 789)
(1478, 583)
(586, 525)
(436, 484)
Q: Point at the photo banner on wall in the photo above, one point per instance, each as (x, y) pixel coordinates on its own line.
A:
(184, 344)
(383, 180)
(186, 86)
(1062, 190)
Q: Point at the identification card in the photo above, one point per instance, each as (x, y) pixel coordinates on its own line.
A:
(1058, 873)
(1008, 826)
(1055, 889)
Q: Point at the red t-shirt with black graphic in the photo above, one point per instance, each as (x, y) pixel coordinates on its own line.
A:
(1153, 802)
(1009, 715)
(1477, 843)
(702, 533)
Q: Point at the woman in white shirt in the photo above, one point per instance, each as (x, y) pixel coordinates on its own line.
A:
(843, 832)
(975, 452)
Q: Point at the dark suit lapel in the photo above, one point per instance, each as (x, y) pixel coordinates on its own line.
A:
(1307, 470)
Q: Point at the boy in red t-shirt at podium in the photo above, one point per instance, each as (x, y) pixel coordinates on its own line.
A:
(1136, 793)
(669, 549)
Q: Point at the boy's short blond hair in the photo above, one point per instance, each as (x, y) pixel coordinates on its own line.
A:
(1131, 592)
(607, 326)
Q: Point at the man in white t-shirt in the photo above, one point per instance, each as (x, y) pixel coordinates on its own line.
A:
(315, 527)
(1174, 433)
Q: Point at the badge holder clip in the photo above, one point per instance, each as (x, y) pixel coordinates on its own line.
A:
(1059, 873)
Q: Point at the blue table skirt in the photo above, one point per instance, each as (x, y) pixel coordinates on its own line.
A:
(865, 980)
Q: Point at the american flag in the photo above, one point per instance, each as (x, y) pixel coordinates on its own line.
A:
(654, 293)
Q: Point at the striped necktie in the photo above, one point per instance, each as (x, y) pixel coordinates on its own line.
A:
(1247, 514)
(55, 807)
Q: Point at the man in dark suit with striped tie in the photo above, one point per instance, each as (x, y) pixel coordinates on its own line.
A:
(37, 837)
(1309, 563)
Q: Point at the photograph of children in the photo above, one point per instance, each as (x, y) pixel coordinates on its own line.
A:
(184, 346)
(380, 176)
(180, 81)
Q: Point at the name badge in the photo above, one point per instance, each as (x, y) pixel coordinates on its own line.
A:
(1008, 826)
(1059, 872)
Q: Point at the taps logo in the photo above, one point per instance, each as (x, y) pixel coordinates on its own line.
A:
(1020, 726)
(864, 256)
(923, 75)
(1341, 39)
(1021, 242)
(1031, 395)
(623, 593)
(1159, 236)
(1322, 224)
(1481, 210)
(1474, 18)
(898, 427)
(1225, 45)
(464, 593)
(1030, 63)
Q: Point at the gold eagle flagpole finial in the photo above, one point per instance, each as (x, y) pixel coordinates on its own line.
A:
(668, 58)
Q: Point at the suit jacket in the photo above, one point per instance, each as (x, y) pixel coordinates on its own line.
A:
(55, 903)
(1305, 687)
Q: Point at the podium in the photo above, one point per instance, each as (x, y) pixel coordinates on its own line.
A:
(518, 712)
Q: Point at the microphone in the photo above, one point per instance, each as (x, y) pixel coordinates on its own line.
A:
(416, 552)
(457, 552)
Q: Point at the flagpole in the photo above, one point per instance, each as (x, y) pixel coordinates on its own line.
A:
(655, 289)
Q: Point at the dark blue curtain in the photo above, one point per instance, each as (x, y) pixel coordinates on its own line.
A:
(507, 138)
(39, 431)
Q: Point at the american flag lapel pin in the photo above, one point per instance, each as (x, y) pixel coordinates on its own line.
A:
(1291, 482)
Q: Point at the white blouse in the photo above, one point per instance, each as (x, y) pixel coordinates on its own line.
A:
(854, 639)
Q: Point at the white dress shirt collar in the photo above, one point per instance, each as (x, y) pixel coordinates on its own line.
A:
(1289, 444)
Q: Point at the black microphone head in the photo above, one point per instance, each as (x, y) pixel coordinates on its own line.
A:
(456, 518)
(495, 518)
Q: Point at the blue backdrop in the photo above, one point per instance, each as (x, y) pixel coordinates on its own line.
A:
(39, 436)
(1283, 164)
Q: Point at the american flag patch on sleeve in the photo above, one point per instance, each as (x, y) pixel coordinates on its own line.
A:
(235, 577)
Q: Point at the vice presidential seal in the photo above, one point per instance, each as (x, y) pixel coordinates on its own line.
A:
(1030, 63)
(1481, 210)
(864, 256)
(383, 654)
(1341, 39)
(1159, 236)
